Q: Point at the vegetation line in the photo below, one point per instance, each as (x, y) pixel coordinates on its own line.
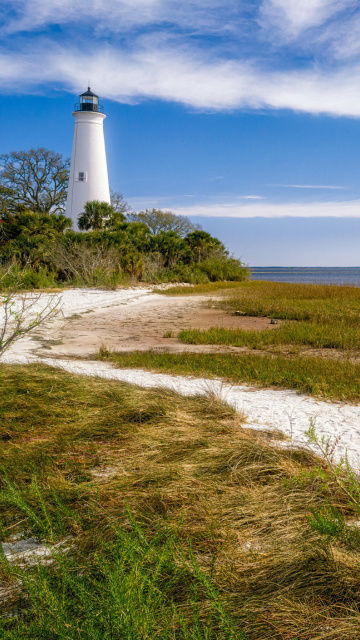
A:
(329, 379)
(321, 336)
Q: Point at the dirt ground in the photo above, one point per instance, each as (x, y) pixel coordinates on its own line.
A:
(142, 327)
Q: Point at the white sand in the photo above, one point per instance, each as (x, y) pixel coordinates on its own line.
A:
(265, 408)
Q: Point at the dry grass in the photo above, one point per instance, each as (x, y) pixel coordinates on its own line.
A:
(186, 469)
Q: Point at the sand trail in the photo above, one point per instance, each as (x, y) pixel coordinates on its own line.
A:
(126, 318)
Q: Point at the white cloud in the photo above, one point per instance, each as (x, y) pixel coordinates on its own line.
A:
(252, 197)
(182, 75)
(308, 186)
(341, 39)
(115, 16)
(291, 17)
(166, 62)
(347, 209)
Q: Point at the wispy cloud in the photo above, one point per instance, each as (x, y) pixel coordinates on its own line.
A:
(181, 75)
(252, 197)
(291, 17)
(347, 209)
(308, 186)
(141, 49)
(117, 16)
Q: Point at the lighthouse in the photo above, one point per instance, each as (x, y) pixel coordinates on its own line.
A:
(88, 170)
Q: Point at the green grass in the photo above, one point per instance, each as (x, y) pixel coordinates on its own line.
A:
(322, 316)
(332, 379)
(130, 588)
(120, 579)
(304, 302)
(320, 336)
(177, 522)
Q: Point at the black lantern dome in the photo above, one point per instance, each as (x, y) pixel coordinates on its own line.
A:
(89, 101)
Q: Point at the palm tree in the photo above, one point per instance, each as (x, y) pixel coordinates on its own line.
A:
(95, 215)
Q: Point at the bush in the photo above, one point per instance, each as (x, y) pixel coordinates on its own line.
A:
(87, 265)
(224, 269)
(52, 254)
(28, 278)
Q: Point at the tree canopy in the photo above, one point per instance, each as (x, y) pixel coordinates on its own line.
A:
(36, 179)
(99, 215)
(158, 221)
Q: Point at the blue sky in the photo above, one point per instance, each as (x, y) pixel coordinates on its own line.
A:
(243, 115)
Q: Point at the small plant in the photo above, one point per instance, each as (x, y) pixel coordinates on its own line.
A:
(344, 475)
(168, 334)
(20, 314)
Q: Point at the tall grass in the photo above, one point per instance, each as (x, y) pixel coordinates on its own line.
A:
(132, 587)
(304, 302)
(176, 521)
(327, 336)
(337, 380)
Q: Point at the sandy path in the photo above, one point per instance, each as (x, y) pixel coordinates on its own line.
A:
(130, 320)
(124, 319)
(265, 408)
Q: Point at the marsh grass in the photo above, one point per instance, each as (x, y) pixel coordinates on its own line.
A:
(326, 378)
(318, 316)
(316, 335)
(180, 522)
(303, 302)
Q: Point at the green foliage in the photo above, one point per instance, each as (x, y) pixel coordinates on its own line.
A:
(130, 588)
(112, 249)
(223, 269)
(170, 246)
(99, 215)
(203, 245)
(28, 235)
(40, 277)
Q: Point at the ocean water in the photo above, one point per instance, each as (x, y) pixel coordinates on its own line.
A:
(312, 275)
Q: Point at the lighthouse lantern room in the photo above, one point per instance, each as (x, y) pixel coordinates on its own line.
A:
(89, 101)
(88, 178)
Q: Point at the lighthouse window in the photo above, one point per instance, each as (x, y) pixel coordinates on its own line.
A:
(82, 176)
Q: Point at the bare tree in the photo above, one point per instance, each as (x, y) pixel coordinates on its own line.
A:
(20, 314)
(36, 179)
(118, 203)
(87, 263)
(158, 221)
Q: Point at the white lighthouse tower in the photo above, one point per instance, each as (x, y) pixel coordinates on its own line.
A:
(88, 170)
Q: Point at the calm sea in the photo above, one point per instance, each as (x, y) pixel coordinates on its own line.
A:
(315, 275)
